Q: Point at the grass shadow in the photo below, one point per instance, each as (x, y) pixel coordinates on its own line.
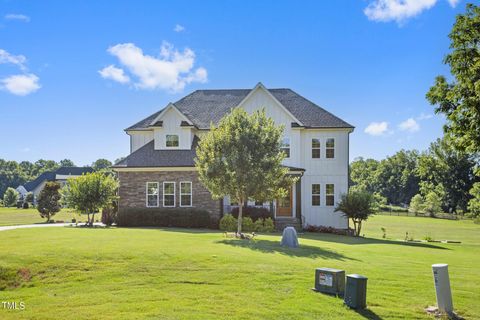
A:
(269, 246)
(361, 240)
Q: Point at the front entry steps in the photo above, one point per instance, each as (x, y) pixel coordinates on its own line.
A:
(282, 222)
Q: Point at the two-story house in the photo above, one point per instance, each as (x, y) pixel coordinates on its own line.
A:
(160, 170)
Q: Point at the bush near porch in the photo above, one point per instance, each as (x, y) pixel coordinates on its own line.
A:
(163, 217)
(254, 213)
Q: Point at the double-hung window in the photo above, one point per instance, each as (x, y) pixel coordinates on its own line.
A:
(152, 194)
(169, 194)
(315, 194)
(330, 194)
(286, 146)
(171, 140)
(316, 148)
(330, 148)
(185, 194)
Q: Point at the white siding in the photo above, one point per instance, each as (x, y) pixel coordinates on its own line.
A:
(171, 125)
(139, 138)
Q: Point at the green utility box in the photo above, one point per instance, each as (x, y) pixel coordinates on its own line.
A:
(356, 291)
(328, 280)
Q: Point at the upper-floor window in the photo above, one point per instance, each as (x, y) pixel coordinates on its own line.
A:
(330, 148)
(330, 194)
(171, 140)
(152, 194)
(169, 194)
(185, 194)
(316, 148)
(286, 146)
(315, 194)
(258, 203)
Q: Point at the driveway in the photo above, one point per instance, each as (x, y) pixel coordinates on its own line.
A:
(43, 225)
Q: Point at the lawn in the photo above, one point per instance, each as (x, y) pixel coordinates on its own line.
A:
(14, 216)
(120, 273)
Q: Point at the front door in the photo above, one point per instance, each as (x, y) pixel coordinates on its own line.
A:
(284, 205)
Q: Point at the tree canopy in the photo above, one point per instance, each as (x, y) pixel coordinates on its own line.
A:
(242, 158)
(357, 206)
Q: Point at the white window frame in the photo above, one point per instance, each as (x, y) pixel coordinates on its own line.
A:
(166, 140)
(319, 195)
(186, 194)
(289, 147)
(329, 194)
(174, 194)
(319, 148)
(329, 148)
(147, 194)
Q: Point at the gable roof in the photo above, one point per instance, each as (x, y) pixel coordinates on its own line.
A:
(205, 106)
(147, 156)
(51, 175)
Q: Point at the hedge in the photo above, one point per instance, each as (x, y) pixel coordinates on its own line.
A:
(163, 217)
(253, 212)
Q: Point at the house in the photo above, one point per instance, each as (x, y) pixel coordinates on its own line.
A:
(60, 175)
(160, 171)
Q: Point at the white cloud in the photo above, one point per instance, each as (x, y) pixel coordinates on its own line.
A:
(6, 57)
(399, 10)
(114, 73)
(20, 84)
(377, 128)
(409, 125)
(171, 71)
(424, 116)
(453, 3)
(18, 17)
(179, 28)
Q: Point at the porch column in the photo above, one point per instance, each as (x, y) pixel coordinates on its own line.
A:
(298, 199)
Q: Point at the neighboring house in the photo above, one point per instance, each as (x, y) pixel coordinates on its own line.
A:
(60, 175)
(160, 170)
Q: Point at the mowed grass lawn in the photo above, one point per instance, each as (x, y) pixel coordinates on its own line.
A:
(14, 216)
(121, 273)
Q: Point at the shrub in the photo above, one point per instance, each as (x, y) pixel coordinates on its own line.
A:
(25, 205)
(253, 212)
(10, 197)
(228, 223)
(268, 225)
(417, 204)
(247, 224)
(164, 217)
(109, 214)
(432, 204)
(258, 225)
(331, 230)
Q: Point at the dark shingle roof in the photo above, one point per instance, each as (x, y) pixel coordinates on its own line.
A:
(147, 156)
(205, 106)
(51, 175)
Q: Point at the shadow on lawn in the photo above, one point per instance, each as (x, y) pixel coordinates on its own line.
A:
(368, 314)
(362, 240)
(268, 246)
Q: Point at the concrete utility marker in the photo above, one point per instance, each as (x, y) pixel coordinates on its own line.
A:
(44, 225)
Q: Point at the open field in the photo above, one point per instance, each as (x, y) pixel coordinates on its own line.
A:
(78, 273)
(14, 216)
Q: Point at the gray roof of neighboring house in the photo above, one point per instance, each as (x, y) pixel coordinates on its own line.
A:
(147, 156)
(51, 175)
(205, 106)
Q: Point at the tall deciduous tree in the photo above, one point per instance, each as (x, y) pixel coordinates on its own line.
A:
(90, 193)
(10, 197)
(101, 164)
(66, 163)
(48, 201)
(459, 99)
(357, 206)
(242, 158)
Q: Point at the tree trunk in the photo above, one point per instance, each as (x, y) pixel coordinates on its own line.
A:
(359, 227)
(354, 227)
(93, 219)
(48, 218)
(88, 218)
(240, 210)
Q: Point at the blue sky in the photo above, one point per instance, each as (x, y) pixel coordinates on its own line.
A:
(74, 74)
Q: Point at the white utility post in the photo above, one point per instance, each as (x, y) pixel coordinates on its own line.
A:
(442, 288)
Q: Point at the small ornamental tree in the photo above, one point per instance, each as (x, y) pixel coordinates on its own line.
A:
(416, 204)
(474, 203)
(48, 201)
(242, 158)
(432, 204)
(29, 197)
(90, 193)
(357, 206)
(10, 197)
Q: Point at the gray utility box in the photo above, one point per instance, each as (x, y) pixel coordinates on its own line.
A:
(329, 280)
(356, 291)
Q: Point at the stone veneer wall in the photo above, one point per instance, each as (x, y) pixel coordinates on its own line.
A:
(132, 190)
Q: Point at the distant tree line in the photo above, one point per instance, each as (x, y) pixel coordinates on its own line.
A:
(13, 174)
(442, 171)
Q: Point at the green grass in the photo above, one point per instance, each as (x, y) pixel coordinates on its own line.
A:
(14, 216)
(120, 273)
